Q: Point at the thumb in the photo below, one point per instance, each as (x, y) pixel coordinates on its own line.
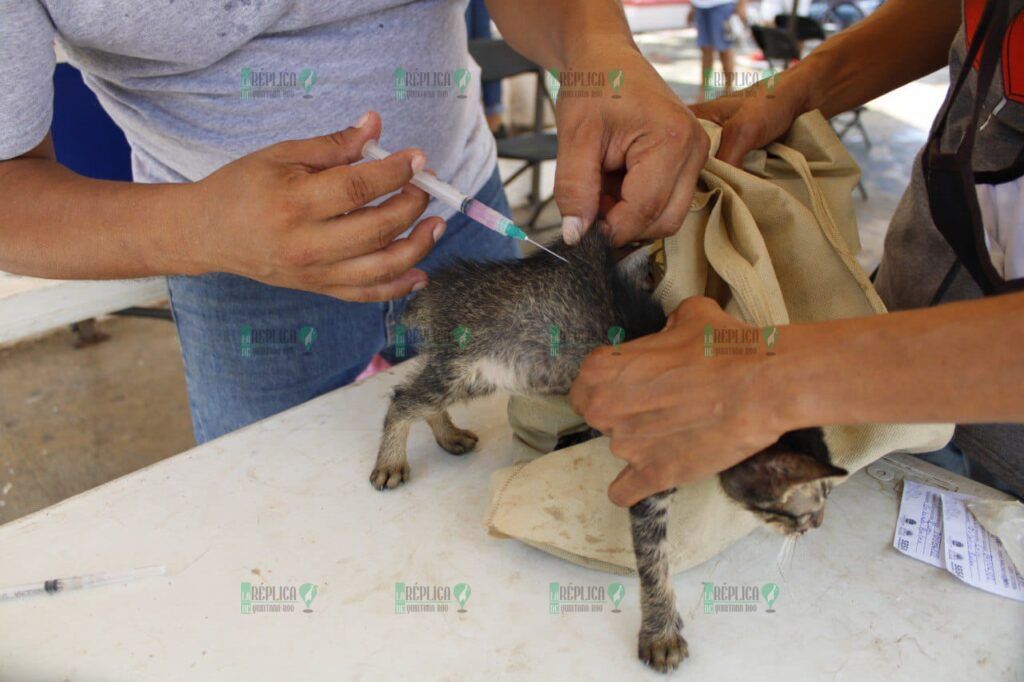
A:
(578, 179)
(627, 488)
(739, 136)
(334, 149)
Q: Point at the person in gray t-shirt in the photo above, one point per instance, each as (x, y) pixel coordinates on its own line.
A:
(247, 192)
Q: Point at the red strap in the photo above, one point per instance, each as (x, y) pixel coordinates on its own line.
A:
(1013, 49)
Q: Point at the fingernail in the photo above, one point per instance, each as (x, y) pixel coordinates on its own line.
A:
(362, 121)
(418, 162)
(572, 229)
(439, 230)
(419, 285)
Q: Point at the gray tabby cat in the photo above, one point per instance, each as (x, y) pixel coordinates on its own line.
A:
(494, 326)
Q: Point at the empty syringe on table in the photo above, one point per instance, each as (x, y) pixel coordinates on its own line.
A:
(478, 211)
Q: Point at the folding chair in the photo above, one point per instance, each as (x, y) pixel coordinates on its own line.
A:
(781, 45)
(498, 61)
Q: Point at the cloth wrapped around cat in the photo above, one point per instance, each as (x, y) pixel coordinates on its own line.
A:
(773, 244)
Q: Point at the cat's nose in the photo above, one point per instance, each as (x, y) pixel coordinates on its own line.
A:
(817, 517)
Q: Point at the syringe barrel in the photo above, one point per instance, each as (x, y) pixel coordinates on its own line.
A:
(425, 181)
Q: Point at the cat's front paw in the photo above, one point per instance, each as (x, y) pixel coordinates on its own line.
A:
(662, 651)
(389, 476)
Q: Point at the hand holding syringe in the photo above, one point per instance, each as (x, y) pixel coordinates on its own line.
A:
(481, 213)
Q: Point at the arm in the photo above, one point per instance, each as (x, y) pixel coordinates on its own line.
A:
(557, 33)
(275, 215)
(955, 363)
(899, 42)
(643, 147)
(60, 225)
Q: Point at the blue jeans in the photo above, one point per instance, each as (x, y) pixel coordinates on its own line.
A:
(711, 26)
(252, 350)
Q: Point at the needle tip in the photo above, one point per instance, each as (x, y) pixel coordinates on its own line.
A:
(541, 246)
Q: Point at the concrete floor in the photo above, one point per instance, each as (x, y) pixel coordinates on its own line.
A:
(74, 419)
(71, 419)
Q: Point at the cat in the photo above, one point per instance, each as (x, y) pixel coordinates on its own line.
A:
(525, 327)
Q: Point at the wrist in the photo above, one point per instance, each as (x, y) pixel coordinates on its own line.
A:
(615, 51)
(174, 243)
(801, 85)
(791, 381)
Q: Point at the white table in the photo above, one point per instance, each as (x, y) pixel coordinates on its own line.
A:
(29, 305)
(286, 501)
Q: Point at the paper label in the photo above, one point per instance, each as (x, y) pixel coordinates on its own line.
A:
(936, 527)
(919, 529)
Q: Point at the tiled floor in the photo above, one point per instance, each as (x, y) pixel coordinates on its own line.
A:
(72, 419)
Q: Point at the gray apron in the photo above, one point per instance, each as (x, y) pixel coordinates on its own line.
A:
(919, 266)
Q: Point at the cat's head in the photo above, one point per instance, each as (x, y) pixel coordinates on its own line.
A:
(783, 485)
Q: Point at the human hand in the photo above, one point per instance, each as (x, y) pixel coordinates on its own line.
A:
(674, 415)
(644, 149)
(294, 215)
(757, 115)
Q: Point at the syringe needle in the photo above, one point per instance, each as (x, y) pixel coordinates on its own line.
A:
(541, 246)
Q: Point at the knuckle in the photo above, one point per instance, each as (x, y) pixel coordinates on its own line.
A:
(336, 138)
(649, 208)
(598, 412)
(358, 189)
(291, 209)
(623, 449)
(299, 256)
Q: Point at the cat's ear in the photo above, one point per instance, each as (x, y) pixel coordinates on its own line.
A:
(770, 474)
(786, 466)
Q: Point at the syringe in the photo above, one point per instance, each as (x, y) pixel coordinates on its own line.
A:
(79, 582)
(480, 212)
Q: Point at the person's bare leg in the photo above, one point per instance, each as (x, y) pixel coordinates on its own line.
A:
(707, 63)
(729, 66)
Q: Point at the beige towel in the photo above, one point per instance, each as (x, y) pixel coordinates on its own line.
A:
(773, 243)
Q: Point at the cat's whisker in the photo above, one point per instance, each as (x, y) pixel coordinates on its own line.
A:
(785, 554)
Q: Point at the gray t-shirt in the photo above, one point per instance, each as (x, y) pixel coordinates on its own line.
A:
(195, 84)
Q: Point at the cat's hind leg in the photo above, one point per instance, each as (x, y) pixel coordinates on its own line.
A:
(661, 644)
(425, 396)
